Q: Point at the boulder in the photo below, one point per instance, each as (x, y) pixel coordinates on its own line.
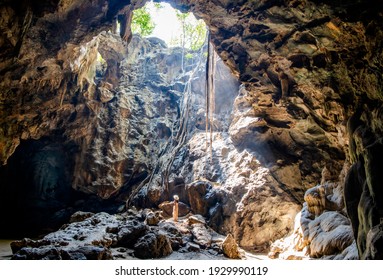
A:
(152, 219)
(167, 209)
(201, 235)
(173, 233)
(230, 247)
(197, 192)
(87, 252)
(80, 216)
(196, 219)
(153, 245)
(130, 232)
(193, 247)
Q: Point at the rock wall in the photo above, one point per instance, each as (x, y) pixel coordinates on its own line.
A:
(311, 72)
(322, 228)
(312, 69)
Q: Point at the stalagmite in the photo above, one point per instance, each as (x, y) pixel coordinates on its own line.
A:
(175, 208)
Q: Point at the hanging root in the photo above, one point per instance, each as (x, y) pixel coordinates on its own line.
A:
(207, 94)
(211, 94)
(210, 101)
(172, 148)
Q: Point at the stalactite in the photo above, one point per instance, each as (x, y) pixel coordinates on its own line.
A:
(126, 22)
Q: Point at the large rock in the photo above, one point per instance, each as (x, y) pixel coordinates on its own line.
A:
(230, 247)
(130, 232)
(153, 245)
(201, 235)
(197, 192)
(173, 233)
(321, 230)
(167, 209)
(80, 216)
(329, 234)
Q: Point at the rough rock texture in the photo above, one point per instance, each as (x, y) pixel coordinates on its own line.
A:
(312, 84)
(322, 60)
(230, 247)
(104, 236)
(153, 245)
(89, 239)
(322, 229)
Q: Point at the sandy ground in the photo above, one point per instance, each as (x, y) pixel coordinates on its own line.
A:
(5, 249)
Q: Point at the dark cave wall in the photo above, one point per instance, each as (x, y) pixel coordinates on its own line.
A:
(36, 187)
(312, 71)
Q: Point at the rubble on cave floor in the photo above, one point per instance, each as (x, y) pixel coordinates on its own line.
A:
(143, 234)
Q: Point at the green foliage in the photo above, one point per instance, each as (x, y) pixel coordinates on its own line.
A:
(196, 35)
(182, 16)
(142, 22)
(189, 56)
(193, 32)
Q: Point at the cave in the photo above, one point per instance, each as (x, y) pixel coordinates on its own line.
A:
(99, 125)
(37, 189)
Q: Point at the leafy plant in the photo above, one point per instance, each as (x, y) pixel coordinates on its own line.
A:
(142, 22)
(189, 56)
(193, 32)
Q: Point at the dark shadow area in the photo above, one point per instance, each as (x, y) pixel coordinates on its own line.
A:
(36, 188)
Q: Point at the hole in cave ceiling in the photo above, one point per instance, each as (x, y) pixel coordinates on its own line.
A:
(175, 28)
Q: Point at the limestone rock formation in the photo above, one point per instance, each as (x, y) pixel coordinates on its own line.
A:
(230, 247)
(104, 236)
(322, 229)
(167, 208)
(86, 109)
(153, 245)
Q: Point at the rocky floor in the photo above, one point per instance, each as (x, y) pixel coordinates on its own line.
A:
(134, 234)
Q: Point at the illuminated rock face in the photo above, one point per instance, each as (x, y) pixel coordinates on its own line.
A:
(310, 105)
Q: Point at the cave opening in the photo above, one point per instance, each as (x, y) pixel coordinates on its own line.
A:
(173, 83)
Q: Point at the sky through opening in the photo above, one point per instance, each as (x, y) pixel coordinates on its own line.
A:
(168, 26)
